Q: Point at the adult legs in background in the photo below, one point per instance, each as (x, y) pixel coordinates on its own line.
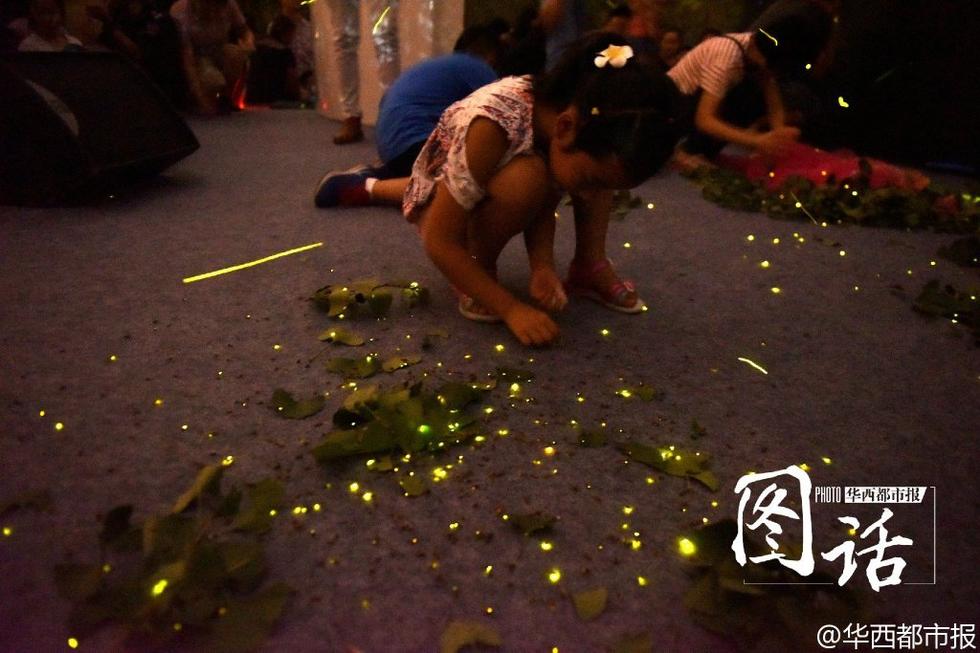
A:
(346, 22)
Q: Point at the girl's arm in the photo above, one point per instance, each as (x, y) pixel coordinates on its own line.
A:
(444, 235)
(708, 120)
(774, 103)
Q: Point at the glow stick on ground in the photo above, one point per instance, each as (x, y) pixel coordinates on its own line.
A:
(236, 268)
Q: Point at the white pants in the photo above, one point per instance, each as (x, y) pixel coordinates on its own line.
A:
(346, 19)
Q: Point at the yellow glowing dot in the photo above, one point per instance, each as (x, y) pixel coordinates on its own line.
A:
(58, 426)
(808, 66)
(488, 410)
(554, 575)
(365, 604)
(650, 206)
(158, 402)
(159, 587)
(277, 347)
(439, 473)
(72, 642)
(686, 547)
(489, 610)
(480, 438)
(499, 348)
(367, 496)
(488, 570)
(842, 102)
(454, 526)
(842, 253)
(932, 263)
(113, 358)
(627, 245)
(750, 238)
(771, 174)
(628, 510)
(804, 467)
(605, 332)
(826, 460)
(775, 241)
(178, 627)
(298, 510)
(424, 429)
(651, 480)
(764, 264)
(852, 532)
(854, 193)
(798, 205)
(580, 399)
(183, 427)
(354, 487)
(775, 290)
(7, 531)
(503, 431)
(515, 388)
(106, 568)
(549, 451)
(228, 460)
(41, 413)
(714, 504)
(546, 546)
(636, 544)
(273, 512)
(625, 393)
(641, 581)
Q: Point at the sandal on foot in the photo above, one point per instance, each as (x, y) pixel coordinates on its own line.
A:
(612, 297)
(473, 310)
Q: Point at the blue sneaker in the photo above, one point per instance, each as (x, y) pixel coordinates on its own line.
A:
(344, 188)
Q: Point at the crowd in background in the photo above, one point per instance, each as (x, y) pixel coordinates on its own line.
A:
(209, 57)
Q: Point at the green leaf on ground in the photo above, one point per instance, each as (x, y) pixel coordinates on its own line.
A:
(459, 634)
(413, 486)
(260, 500)
(208, 481)
(674, 461)
(286, 406)
(590, 603)
(354, 368)
(369, 296)
(341, 336)
(400, 362)
(762, 607)
(532, 523)
(248, 621)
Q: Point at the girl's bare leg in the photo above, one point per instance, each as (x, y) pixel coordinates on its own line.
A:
(389, 191)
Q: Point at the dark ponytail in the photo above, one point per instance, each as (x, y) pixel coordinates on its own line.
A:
(628, 112)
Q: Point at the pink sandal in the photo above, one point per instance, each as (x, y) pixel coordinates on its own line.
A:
(613, 297)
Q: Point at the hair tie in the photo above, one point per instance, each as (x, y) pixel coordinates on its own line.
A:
(614, 55)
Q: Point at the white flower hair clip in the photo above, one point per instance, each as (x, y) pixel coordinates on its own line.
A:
(615, 55)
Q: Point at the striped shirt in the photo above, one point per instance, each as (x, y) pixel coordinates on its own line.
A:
(716, 65)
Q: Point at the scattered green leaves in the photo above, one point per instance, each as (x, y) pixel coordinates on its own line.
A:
(407, 418)
(725, 597)
(286, 406)
(354, 368)
(844, 201)
(189, 582)
(676, 462)
(368, 296)
(413, 485)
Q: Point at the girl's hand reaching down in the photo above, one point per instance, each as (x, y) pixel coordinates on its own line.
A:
(531, 326)
(547, 289)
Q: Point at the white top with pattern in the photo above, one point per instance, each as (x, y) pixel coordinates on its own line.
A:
(508, 102)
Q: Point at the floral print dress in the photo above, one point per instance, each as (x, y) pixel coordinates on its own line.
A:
(508, 102)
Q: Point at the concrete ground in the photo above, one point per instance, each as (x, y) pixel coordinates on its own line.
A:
(854, 375)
